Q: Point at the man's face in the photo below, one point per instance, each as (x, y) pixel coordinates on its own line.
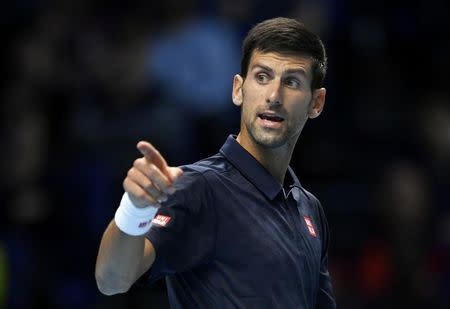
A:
(276, 98)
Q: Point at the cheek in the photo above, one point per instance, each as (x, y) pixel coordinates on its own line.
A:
(247, 111)
(250, 100)
(252, 94)
(300, 113)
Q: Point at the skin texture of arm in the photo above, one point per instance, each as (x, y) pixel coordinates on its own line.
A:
(121, 260)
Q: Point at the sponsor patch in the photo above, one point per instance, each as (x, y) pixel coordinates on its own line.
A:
(143, 224)
(161, 220)
(310, 226)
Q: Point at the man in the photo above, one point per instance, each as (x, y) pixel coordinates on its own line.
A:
(235, 230)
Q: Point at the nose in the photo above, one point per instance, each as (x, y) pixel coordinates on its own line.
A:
(274, 94)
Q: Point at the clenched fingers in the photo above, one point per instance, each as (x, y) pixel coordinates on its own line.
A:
(147, 184)
(153, 173)
(137, 194)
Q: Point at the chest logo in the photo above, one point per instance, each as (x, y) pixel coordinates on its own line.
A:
(310, 226)
(161, 220)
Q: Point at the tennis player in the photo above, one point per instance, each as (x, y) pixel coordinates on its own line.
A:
(235, 230)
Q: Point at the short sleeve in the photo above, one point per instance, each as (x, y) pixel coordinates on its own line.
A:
(183, 231)
(325, 295)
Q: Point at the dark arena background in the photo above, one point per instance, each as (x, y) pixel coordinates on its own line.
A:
(85, 80)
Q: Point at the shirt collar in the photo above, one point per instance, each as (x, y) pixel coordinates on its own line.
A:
(253, 170)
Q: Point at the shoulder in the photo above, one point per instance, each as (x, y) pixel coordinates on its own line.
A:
(209, 168)
(198, 178)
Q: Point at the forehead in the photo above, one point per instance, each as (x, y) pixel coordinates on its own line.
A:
(281, 62)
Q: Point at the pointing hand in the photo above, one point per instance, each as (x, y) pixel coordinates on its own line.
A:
(150, 179)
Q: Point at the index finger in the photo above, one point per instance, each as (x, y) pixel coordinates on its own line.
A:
(152, 155)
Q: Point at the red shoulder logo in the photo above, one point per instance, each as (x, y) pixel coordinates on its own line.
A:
(310, 226)
(161, 220)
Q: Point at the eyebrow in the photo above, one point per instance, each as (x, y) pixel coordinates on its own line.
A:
(288, 71)
(296, 71)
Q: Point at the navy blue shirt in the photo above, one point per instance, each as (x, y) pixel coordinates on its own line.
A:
(232, 236)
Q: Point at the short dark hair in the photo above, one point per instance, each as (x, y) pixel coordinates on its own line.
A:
(286, 36)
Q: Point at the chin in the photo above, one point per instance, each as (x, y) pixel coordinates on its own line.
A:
(269, 140)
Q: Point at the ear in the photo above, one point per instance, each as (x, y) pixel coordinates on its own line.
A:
(238, 81)
(318, 101)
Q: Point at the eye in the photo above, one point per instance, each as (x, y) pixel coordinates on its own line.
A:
(262, 77)
(292, 83)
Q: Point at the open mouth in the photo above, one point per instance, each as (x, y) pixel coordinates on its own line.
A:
(270, 117)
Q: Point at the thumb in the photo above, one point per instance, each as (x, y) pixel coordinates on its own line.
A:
(174, 173)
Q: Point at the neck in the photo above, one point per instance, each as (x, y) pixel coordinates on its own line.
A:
(274, 160)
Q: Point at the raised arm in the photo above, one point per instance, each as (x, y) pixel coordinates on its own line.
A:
(123, 258)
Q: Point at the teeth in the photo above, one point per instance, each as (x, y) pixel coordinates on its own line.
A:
(271, 118)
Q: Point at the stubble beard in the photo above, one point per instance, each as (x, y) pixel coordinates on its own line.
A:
(274, 138)
(267, 138)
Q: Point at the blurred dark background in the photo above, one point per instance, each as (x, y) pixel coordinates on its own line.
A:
(85, 80)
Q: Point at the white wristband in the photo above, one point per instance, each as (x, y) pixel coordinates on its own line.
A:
(133, 220)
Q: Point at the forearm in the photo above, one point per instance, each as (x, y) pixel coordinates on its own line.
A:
(121, 260)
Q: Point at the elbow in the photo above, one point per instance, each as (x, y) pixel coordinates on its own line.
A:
(108, 290)
(110, 286)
